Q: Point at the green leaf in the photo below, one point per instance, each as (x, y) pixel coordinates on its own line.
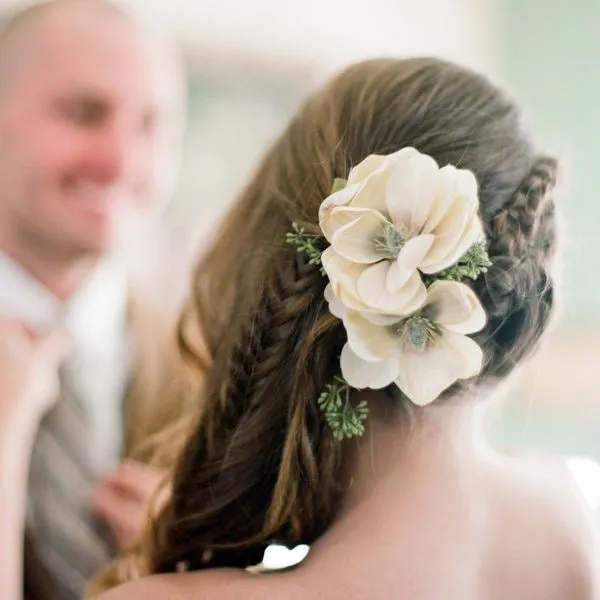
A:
(338, 184)
(470, 265)
(305, 243)
(345, 420)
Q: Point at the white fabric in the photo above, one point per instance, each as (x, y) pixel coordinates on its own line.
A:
(586, 473)
(95, 319)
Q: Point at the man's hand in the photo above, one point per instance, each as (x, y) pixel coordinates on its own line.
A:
(124, 498)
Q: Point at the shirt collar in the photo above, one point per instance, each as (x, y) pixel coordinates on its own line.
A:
(94, 317)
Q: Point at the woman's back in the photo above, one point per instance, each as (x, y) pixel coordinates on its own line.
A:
(502, 529)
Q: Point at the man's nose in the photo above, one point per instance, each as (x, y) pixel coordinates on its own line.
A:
(112, 156)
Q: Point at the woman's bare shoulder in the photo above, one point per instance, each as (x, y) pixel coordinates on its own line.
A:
(217, 584)
(570, 485)
(577, 489)
(561, 496)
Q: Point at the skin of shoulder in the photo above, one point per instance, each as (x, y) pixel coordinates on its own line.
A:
(559, 506)
(217, 584)
(571, 521)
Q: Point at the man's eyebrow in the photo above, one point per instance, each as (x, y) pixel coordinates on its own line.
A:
(150, 115)
(90, 98)
(82, 92)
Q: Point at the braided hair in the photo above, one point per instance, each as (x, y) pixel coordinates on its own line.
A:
(518, 290)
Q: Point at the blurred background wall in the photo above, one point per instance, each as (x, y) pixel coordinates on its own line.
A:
(549, 54)
(251, 63)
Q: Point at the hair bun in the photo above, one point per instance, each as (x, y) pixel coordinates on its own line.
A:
(522, 240)
(523, 223)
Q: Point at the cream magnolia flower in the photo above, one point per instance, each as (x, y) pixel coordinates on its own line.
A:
(397, 213)
(424, 353)
(369, 290)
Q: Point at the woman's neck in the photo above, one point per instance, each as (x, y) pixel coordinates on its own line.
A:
(436, 442)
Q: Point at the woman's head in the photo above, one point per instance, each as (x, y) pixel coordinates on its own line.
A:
(261, 463)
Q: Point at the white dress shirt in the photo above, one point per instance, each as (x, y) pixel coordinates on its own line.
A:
(96, 321)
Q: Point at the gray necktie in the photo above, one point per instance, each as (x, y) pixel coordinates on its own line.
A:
(71, 543)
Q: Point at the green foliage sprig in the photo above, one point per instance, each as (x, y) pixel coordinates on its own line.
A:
(306, 243)
(469, 266)
(344, 419)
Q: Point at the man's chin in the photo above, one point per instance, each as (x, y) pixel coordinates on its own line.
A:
(90, 247)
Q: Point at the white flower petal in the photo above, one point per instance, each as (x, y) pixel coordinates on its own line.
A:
(411, 190)
(336, 306)
(351, 301)
(343, 276)
(341, 272)
(403, 154)
(373, 291)
(455, 307)
(355, 241)
(452, 183)
(444, 198)
(466, 186)
(419, 294)
(361, 374)
(365, 168)
(448, 234)
(370, 342)
(329, 221)
(381, 319)
(410, 257)
(371, 285)
(472, 233)
(423, 376)
(413, 288)
(471, 352)
(372, 192)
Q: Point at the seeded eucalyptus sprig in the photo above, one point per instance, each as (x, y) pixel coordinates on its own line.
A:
(344, 419)
(306, 243)
(470, 265)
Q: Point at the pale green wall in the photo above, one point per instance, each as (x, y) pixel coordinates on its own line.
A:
(551, 60)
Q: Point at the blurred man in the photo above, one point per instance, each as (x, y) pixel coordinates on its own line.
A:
(90, 115)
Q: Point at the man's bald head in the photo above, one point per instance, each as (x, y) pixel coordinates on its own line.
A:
(88, 106)
(22, 30)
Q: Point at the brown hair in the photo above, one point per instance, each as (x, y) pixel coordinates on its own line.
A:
(261, 464)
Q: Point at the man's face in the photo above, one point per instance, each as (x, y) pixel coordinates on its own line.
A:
(77, 132)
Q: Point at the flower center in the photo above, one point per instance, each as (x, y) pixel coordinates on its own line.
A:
(417, 333)
(389, 242)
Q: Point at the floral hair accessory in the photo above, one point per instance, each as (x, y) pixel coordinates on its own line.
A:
(403, 233)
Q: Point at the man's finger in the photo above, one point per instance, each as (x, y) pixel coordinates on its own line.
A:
(110, 505)
(124, 516)
(136, 479)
